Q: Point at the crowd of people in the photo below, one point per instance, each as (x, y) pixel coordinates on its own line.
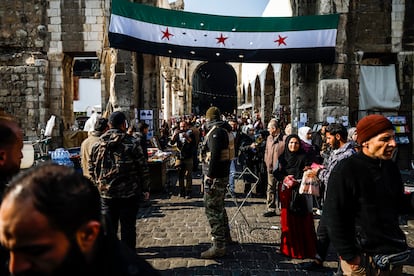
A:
(347, 177)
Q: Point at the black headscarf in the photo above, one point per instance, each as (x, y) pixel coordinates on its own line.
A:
(293, 162)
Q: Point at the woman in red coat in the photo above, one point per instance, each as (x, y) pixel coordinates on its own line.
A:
(298, 237)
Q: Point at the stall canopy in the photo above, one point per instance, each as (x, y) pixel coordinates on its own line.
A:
(142, 28)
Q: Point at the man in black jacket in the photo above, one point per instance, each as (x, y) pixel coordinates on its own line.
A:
(364, 200)
(234, 166)
(51, 223)
(216, 169)
(185, 140)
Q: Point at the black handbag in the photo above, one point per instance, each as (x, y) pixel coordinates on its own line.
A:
(298, 203)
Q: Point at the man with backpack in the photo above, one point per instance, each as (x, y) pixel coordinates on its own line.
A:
(217, 151)
(119, 169)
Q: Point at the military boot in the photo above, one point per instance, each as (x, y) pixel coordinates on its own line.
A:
(217, 250)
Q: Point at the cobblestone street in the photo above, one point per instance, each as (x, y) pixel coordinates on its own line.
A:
(173, 231)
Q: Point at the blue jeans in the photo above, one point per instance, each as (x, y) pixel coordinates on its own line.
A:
(233, 170)
(122, 211)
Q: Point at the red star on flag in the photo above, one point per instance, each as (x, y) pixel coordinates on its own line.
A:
(166, 34)
(221, 39)
(281, 40)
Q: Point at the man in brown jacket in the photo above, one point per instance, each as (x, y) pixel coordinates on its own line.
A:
(275, 145)
(100, 127)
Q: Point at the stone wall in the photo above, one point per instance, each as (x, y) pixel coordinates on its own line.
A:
(39, 40)
(24, 67)
(23, 25)
(23, 93)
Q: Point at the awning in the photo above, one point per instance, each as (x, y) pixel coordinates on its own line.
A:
(245, 106)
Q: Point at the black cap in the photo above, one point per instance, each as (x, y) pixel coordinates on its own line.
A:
(117, 119)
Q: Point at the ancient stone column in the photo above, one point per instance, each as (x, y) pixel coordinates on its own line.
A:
(167, 73)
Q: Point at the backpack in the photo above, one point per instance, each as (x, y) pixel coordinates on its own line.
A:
(112, 163)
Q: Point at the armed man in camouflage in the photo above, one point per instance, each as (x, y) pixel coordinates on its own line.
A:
(120, 170)
(216, 168)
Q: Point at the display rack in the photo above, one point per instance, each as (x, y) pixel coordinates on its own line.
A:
(401, 129)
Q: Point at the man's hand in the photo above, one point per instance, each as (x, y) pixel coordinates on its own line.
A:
(354, 263)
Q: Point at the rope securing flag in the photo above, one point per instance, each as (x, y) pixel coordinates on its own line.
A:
(146, 29)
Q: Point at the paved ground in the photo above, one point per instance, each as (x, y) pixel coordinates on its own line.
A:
(173, 231)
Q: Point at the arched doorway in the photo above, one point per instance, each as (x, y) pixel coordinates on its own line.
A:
(214, 84)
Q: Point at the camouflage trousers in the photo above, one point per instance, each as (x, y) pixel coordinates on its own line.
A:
(215, 209)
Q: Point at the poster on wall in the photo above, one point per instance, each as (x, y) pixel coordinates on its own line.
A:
(303, 118)
(330, 119)
(345, 121)
(147, 116)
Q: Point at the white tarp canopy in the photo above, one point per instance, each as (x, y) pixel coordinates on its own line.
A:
(378, 88)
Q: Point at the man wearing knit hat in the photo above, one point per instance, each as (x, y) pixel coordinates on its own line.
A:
(364, 200)
(216, 169)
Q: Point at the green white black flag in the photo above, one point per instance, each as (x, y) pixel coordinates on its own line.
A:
(303, 39)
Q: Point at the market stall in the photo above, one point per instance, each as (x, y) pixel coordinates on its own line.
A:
(158, 162)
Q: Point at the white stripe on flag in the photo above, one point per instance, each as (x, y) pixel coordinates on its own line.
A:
(235, 40)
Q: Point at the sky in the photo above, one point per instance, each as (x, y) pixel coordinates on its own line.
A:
(239, 7)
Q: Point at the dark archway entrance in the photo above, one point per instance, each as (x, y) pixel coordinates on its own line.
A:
(214, 83)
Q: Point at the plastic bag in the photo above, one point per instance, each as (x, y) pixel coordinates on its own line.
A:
(310, 183)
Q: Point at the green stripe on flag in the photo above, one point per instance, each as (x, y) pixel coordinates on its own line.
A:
(198, 21)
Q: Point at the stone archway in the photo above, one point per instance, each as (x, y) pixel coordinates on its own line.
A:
(214, 83)
(269, 94)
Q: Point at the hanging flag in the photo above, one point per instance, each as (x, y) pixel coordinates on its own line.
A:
(146, 29)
